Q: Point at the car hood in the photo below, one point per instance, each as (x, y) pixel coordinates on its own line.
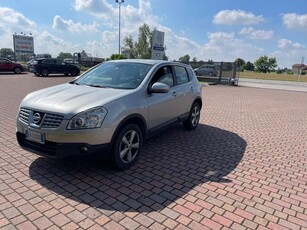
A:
(70, 99)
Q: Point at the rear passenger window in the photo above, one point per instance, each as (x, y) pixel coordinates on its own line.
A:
(181, 75)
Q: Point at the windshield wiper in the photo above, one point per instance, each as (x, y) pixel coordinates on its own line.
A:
(97, 86)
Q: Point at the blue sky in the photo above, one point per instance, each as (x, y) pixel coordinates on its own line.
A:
(220, 30)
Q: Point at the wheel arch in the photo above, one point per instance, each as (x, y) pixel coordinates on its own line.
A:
(199, 101)
(131, 119)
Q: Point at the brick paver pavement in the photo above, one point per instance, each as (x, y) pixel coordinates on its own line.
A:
(245, 167)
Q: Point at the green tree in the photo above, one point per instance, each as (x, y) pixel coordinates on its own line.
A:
(4, 52)
(63, 56)
(143, 46)
(210, 61)
(117, 57)
(129, 48)
(240, 64)
(265, 64)
(249, 66)
(185, 58)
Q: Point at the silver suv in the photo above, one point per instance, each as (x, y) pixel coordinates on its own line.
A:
(109, 110)
(206, 70)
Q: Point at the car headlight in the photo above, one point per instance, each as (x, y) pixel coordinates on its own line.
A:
(88, 119)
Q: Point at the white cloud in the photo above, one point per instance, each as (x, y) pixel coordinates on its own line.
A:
(226, 47)
(289, 52)
(295, 21)
(254, 34)
(49, 43)
(98, 8)
(12, 22)
(69, 25)
(288, 44)
(232, 17)
(16, 21)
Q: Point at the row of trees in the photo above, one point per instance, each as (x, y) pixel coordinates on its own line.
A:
(263, 64)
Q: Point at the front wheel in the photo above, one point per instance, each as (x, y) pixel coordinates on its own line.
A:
(127, 146)
(45, 72)
(17, 70)
(192, 122)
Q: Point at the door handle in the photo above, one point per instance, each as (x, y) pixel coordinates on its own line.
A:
(174, 94)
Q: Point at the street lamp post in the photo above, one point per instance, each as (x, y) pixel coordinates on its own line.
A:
(119, 4)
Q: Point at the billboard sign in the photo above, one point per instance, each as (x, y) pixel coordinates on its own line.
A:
(157, 51)
(23, 44)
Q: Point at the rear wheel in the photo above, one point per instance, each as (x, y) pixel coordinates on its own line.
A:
(192, 122)
(74, 72)
(45, 72)
(127, 146)
(17, 70)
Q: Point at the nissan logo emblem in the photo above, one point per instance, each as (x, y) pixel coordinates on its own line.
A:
(36, 118)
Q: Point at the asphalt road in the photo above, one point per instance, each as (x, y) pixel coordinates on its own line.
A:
(270, 84)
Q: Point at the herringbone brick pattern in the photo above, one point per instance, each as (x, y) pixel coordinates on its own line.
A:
(245, 167)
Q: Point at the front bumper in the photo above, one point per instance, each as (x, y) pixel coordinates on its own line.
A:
(62, 150)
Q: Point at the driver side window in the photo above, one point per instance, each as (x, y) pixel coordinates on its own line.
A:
(163, 75)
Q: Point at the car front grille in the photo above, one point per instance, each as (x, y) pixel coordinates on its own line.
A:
(49, 120)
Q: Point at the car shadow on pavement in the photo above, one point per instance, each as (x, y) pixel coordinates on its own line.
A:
(171, 165)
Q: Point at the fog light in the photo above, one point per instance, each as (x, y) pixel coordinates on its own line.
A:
(84, 149)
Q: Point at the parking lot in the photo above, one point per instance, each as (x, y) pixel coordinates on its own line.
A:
(244, 167)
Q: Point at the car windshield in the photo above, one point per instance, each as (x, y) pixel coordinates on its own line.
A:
(120, 75)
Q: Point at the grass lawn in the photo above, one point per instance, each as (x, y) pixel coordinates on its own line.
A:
(273, 76)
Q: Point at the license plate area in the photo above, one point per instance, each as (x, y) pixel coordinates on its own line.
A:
(35, 136)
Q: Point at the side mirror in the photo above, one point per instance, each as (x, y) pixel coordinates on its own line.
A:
(159, 87)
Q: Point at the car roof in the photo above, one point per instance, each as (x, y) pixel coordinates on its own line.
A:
(148, 61)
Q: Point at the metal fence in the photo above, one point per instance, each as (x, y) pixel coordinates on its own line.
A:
(216, 72)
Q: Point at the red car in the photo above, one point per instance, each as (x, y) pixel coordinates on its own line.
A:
(7, 66)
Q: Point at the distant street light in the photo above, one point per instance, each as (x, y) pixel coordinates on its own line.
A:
(119, 4)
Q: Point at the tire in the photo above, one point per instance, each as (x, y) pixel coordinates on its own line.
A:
(74, 72)
(45, 72)
(192, 122)
(127, 147)
(17, 70)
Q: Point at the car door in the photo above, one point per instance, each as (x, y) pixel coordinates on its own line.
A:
(162, 106)
(5, 65)
(60, 66)
(184, 90)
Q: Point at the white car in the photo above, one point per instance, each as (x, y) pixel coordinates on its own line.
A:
(109, 110)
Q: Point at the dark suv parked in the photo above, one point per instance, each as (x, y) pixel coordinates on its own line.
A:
(46, 66)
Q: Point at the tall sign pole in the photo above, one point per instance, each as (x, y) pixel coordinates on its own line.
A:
(119, 5)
